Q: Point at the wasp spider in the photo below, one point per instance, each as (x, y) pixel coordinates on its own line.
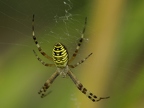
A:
(61, 60)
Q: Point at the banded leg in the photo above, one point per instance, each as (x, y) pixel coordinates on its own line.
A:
(37, 44)
(79, 43)
(47, 84)
(45, 64)
(83, 60)
(90, 95)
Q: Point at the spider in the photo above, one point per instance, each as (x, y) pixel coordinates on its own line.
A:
(61, 61)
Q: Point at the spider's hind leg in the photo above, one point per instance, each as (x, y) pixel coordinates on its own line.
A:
(83, 60)
(45, 64)
(37, 44)
(79, 43)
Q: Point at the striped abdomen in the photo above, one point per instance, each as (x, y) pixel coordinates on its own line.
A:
(60, 55)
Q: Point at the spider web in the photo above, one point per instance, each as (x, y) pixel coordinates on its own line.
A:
(21, 75)
(60, 24)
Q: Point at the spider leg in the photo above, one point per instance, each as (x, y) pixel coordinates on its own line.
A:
(39, 59)
(83, 60)
(79, 43)
(90, 95)
(37, 44)
(47, 84)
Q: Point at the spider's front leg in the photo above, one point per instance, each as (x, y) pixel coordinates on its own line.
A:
(47, 84)
(90, 95)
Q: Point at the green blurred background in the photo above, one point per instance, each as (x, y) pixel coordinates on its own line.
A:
(115, 35)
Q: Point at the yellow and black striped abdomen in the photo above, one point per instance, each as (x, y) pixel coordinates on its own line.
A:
(60, 55)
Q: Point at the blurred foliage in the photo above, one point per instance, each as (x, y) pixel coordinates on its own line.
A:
(21, 75)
